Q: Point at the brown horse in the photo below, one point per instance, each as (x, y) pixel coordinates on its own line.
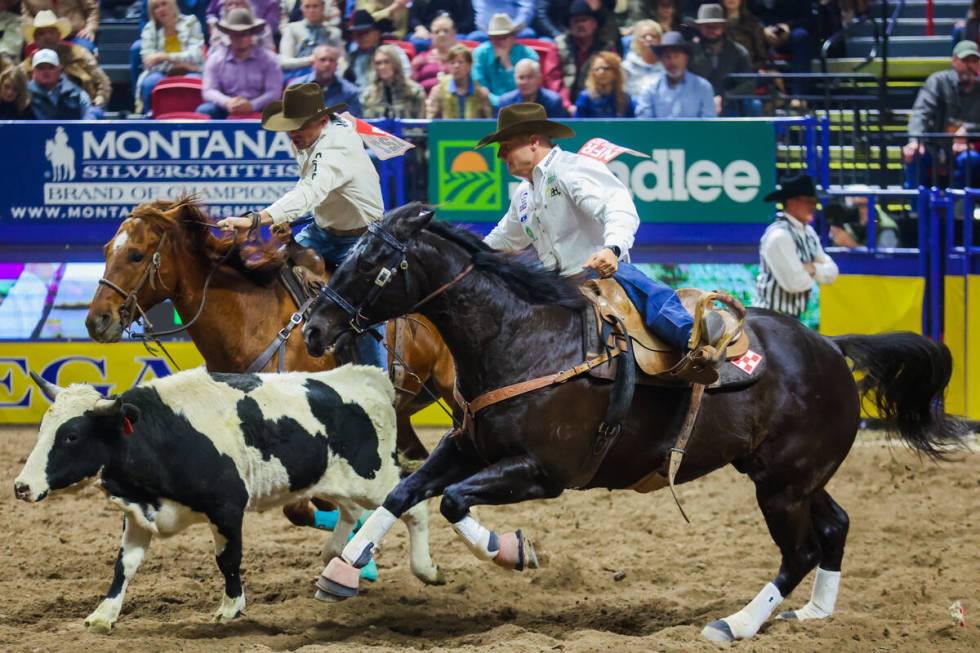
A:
(166, 250)
(508, 323)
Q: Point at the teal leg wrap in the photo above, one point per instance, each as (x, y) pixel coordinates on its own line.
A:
(325, 520)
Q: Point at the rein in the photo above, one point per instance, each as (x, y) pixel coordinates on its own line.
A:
(127, 314)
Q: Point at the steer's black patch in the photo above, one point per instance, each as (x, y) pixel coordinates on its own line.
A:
(244, 382)
(303, 454)
(350, 433)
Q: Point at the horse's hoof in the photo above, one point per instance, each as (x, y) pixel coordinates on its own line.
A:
(98, 626)
(339, 579)
(516, 552)
(320, 595)
(718, 631)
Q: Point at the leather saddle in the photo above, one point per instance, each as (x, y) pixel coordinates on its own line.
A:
(741, 362)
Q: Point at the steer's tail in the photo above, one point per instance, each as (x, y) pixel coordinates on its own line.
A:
(906, 376)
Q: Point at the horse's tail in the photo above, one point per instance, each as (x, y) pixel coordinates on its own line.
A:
(906, 374)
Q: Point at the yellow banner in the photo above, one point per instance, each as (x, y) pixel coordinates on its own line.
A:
(111, 368)
(864, 303)
(962, 321)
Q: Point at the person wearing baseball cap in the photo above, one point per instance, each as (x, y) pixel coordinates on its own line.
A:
(338, 184)
(53, 95)
(949, 101)
(791, 259)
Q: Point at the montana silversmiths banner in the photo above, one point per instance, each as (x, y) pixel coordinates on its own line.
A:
(698, 170)
(74, 181)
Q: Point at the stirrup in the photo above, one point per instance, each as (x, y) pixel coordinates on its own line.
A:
(716, 350)
(698, 366)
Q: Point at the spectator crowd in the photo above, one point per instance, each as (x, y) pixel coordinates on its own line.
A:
(413, 58)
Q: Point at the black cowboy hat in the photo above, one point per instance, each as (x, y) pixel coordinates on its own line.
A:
(362, 20)
(525, 119)
(582, 8)
(799, 186)
(299, 105)
(672, 41)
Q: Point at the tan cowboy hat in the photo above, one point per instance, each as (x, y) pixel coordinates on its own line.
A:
(240, 20)
(525, 119)
(502, 25)
(299, 105)
(46, 18)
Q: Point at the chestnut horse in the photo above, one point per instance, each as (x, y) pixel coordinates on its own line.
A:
(245, 306)
(507, 322)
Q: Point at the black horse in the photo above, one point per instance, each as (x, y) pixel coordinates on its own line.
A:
(507, 321)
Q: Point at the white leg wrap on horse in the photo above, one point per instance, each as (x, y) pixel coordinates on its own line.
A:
(747, 621)
(482, 542)
(367, 539)
(822, 598)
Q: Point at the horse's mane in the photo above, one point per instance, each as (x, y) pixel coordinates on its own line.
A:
(523, 274)
(256, 261)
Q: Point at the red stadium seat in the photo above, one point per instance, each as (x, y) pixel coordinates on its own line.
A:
(176, 95)
(182, 115)
(404, 45)
(549, 60)
(468, 43)
(255, 115)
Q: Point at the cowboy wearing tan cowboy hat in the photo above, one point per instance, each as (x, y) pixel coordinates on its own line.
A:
(80, 16)
(46, 31)
(338, 184)
(494, 61)
(580, 218)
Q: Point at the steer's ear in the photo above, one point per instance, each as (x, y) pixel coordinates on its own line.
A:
(130, 412)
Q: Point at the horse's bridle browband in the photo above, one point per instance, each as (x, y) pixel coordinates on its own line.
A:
(358, 321)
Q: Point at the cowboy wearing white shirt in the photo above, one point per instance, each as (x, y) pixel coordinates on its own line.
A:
(791, 258)
(579, 217)
(338, 184)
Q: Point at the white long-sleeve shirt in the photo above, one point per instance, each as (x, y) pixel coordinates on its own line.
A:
(783, 283)
(574, 207)
(337, 182)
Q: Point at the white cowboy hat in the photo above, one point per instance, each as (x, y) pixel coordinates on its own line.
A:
(502, 25)
(46, 18)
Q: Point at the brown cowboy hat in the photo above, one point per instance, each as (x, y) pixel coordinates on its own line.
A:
(299, 105)
(240, 20)
(46, 18)
(525, 119)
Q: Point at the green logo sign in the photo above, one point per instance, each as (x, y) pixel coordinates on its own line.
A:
(697, 170)
(468, 179)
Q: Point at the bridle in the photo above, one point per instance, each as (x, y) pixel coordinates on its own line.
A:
(131, 309)
(397, 261)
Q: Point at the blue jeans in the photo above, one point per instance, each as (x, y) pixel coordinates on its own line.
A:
(659, 305)
(213, 110)
(333, 250)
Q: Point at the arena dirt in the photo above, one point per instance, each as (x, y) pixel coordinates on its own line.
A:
(625, 573)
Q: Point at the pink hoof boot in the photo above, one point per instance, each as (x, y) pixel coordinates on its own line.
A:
(516, 552)
(338, 581)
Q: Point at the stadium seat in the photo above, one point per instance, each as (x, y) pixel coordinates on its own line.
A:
(468, 43)
(176, 95)
(255, 115)
(404, 45)
(549, 60)
(182, 115)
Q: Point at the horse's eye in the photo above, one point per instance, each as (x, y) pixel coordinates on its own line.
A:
(135, 257)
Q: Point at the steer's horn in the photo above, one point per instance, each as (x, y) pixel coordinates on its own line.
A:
(106, 406)
(50, 390)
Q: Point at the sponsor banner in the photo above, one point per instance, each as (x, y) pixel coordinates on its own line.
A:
(698, 171)
(111, 368)
(73, 182)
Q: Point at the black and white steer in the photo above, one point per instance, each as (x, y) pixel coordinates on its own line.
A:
(199, 447)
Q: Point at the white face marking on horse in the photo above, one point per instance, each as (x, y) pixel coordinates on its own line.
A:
(119, 241)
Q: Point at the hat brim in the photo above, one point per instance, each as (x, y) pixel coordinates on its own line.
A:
(517, 28)
(241, 29)
(782, 196)
(546, 128)
(63, 25)
(277, 122)
(711, 21)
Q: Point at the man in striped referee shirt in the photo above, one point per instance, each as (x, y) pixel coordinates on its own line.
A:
(791, 259)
